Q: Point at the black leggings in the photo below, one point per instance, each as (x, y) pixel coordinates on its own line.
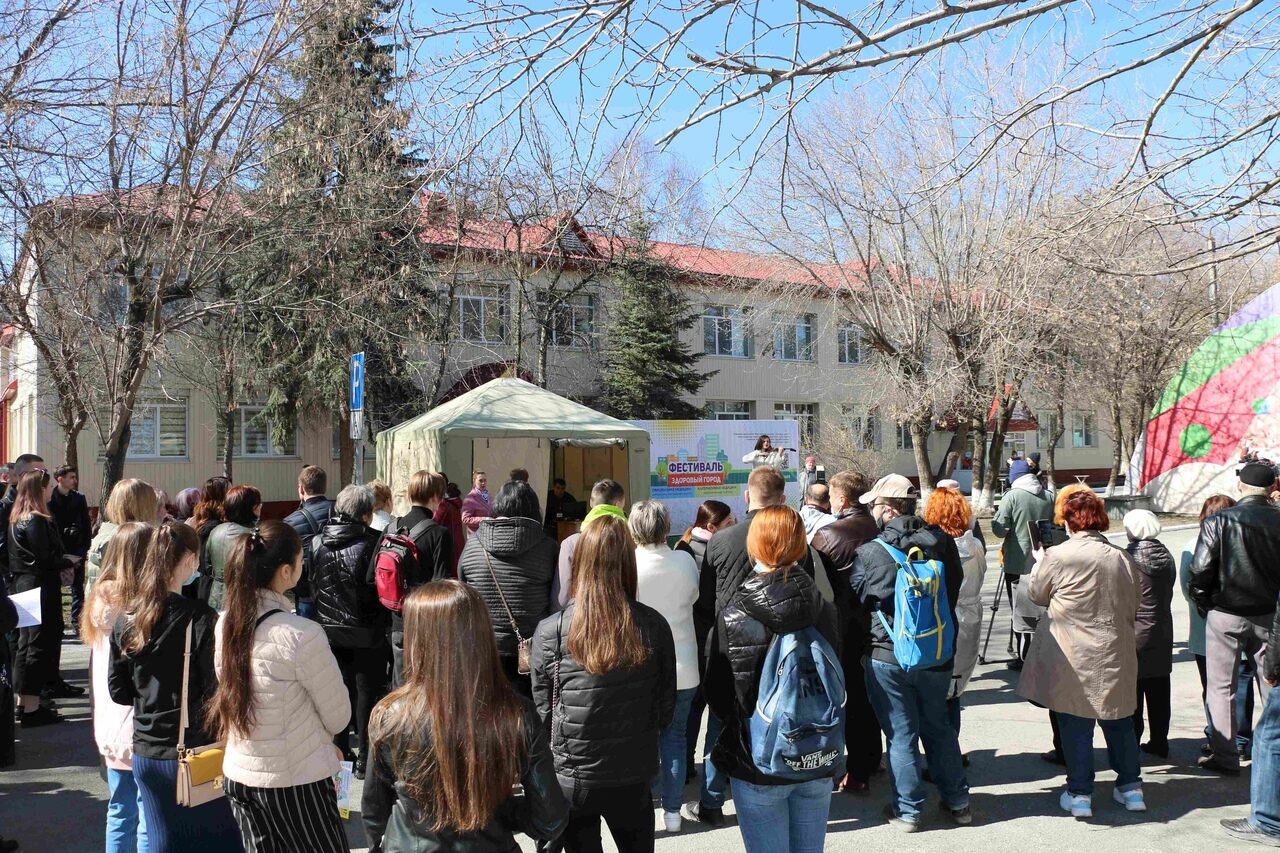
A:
(35, 663)
(628, 810)
(1154, 693)
(364, 671)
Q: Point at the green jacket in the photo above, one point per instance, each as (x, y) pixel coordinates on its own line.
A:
(1026, 502)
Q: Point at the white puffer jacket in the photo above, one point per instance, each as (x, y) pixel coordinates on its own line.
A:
(112, 723)
(968, 611)
(300, 702)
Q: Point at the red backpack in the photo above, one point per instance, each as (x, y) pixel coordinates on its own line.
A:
(397, 552)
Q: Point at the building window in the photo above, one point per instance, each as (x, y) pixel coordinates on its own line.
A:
(725, 331)
(863, 430)
(905, 441)
(729, 410)
(1049, 424)
(793, 339)
(806, 414)
(159, 430)
(571, 322)
(1084, 429)
(482, 316)
(254, 437)
(850, 346)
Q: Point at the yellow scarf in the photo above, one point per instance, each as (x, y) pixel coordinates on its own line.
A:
(600, 512)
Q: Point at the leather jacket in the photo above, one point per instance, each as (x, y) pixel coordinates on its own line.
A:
(765, 605)
(35, 548)
(394, 821)
(1236, 568)
(343, 584)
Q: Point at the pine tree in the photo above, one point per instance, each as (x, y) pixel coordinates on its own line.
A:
(339, 203)
(647, 369)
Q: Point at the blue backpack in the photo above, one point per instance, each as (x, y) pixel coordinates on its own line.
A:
(923, 632)
(797, 729)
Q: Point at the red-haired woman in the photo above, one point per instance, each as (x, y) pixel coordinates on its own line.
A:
(950, 510)
(1083, 662)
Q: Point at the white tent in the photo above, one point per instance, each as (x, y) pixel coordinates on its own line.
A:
(505, 424)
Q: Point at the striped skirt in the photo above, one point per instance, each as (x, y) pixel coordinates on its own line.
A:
(285, 820)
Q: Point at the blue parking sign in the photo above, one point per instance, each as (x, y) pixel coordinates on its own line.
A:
(356, 396)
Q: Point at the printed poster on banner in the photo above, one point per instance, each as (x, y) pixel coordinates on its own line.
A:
(693, 461)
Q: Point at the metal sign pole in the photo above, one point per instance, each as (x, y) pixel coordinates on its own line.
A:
(355, 404)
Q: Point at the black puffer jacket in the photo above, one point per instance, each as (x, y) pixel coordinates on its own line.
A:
(1237, 562)
(393, 821)
(36, 550)
(729, 563)
(1154, 626)
(875, 574)
(342, 569)
(524, 561)
(604, 728)
(765, 606)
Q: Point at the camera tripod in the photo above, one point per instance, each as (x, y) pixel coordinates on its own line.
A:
(1005, 587)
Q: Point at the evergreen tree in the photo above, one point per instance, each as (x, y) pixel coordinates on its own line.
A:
(336, 218)
(647, 369)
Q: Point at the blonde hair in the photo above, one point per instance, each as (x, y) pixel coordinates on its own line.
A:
(381, 494)
(132, 500)
(117, 584)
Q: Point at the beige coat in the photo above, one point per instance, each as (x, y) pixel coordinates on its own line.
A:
(300, 703)
(1083, 658)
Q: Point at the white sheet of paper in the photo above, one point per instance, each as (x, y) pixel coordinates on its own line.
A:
(28, 605)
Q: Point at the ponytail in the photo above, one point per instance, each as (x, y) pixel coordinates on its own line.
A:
(251, 566)
(172, 542)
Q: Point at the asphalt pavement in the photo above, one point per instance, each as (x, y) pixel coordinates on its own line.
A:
(53, 799)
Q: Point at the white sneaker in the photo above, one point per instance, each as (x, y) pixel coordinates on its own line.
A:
(671, 820)
(1131, 800)
(1079, 805)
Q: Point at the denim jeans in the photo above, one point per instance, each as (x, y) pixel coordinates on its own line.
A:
(913, 706)
(714, 782)
(1077, 749)
(783, 818)
(671, 748)
(126, 826)
(1264, 794)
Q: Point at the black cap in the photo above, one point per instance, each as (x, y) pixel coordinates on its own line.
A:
(1257, 474)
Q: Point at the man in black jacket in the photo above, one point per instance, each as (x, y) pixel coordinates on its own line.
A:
(911, 705)
(1235, 578)
(308, 519)
(70, 513)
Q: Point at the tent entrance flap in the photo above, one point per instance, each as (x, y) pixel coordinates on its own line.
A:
(588, 443)
(497, 456)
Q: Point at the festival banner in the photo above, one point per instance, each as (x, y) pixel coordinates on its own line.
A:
(693, 461)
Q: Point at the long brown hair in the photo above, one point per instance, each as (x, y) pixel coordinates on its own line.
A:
(211, 498)
(117, 583)
(30, 499)
(170, 545)
(251, 566)
(603, 634)
(709, 512)
(132, 500)
(454, 732)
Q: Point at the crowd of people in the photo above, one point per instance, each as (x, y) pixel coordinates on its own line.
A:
(484, 679)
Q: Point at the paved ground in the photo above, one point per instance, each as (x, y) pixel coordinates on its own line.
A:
(53, 800)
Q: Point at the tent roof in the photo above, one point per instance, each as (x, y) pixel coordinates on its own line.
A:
(513, 407)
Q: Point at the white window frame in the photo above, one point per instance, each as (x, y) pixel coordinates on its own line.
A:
(490, 298)
(580, 307)
(788, 334)
(738, 320)
(1048, 422)
(905, 439)
(1084, 430)
(805, 414)
(153, 405)
(846, 334)
(864, 429)
(719, 410)
(247, 412)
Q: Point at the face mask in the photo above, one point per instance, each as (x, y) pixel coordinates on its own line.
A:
(195, 575)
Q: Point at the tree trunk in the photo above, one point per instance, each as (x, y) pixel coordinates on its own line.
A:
(920, 449)
(71, 450)
(1117, 452)
(544, 344)
(995, 451)
(113, 456)
(955, 449)
(982, 499)
(228, 440)
(1050, 459)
